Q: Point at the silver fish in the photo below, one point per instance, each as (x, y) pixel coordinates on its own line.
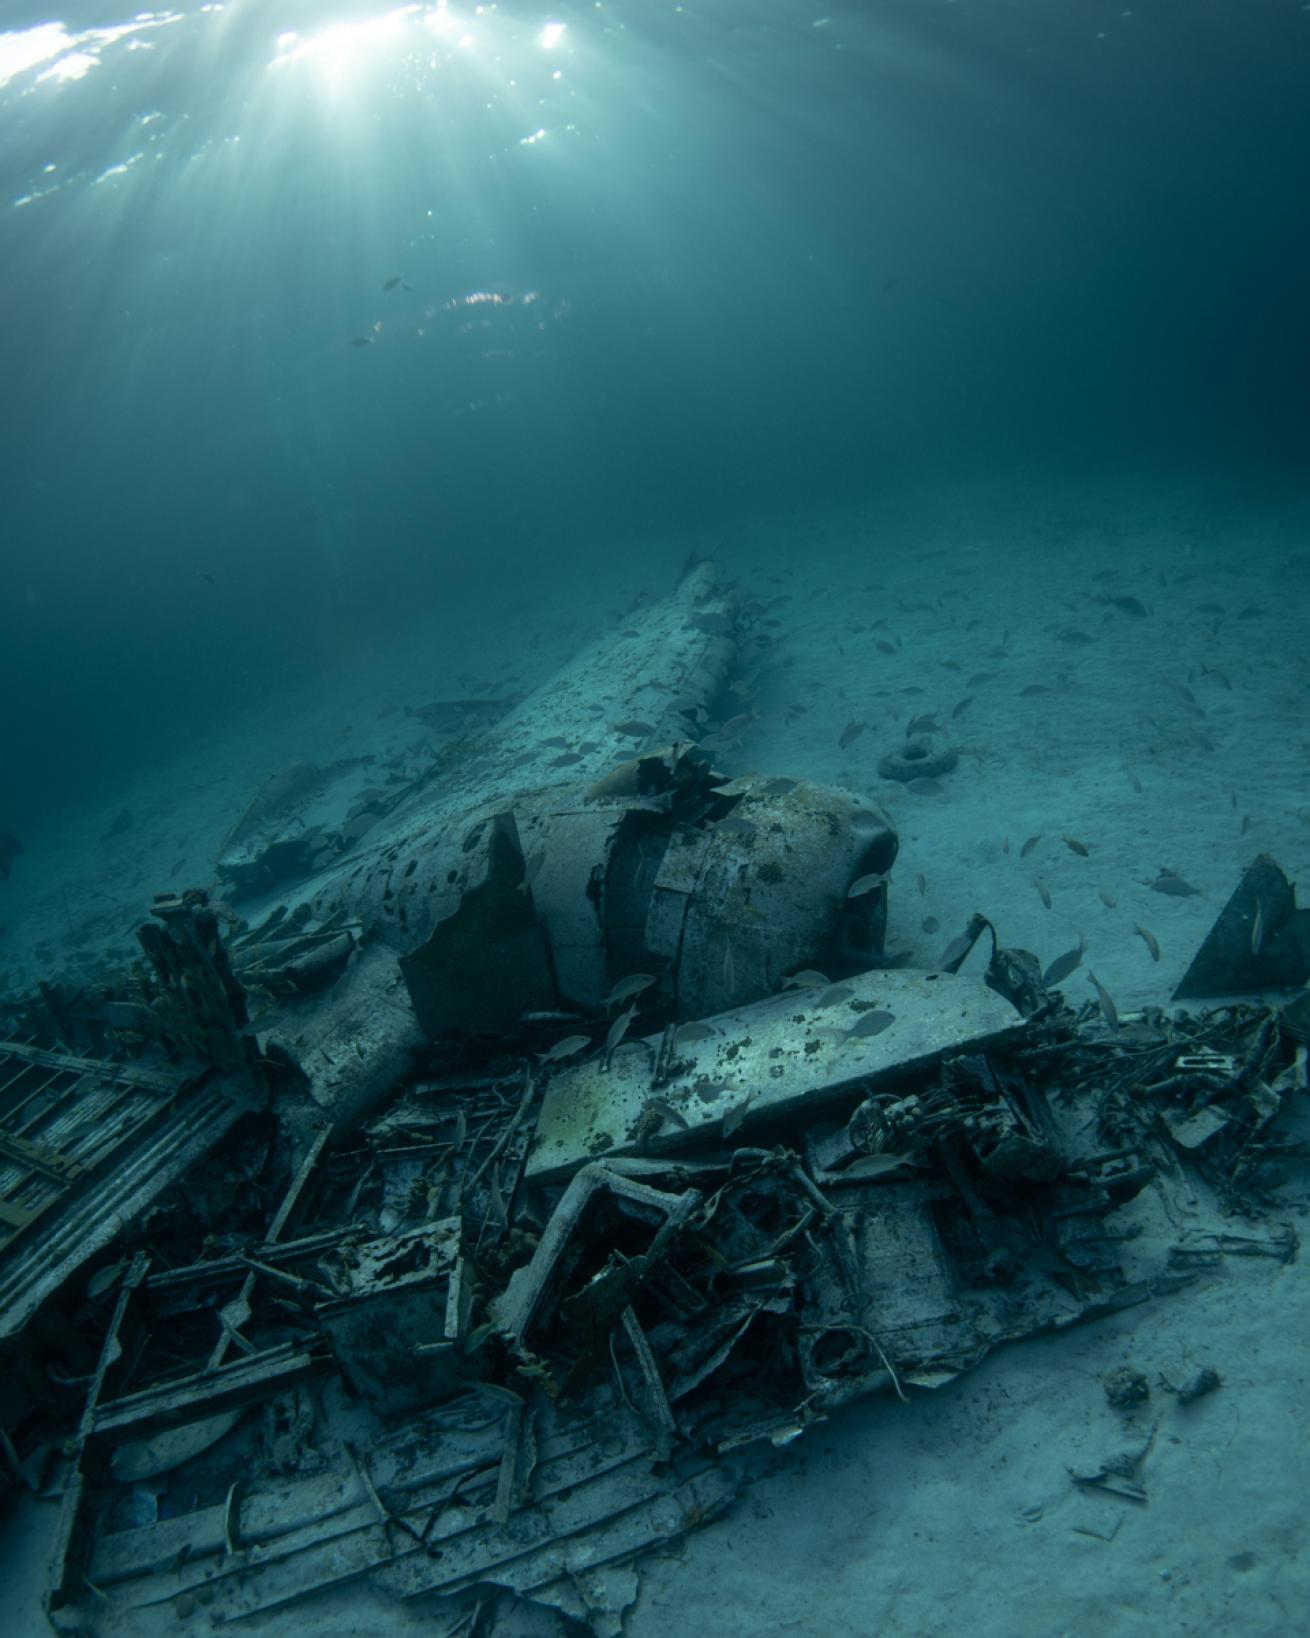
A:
(693, 1032)
(806, 979)
(626, 988)
(619, 1028)
(567, 1048)
(873, 1023)
(1108, 1009)
(1063, 965)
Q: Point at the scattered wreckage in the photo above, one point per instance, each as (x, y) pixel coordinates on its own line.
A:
(460, 1219)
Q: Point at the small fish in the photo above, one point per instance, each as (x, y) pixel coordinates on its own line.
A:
(930, 924)
(556, 739)
(1258, 929)
(926, 724)
(619, 1028)
(565, 761)
(865, 884)
(1044, 892)
(1029, 845)
(1149, 939)
(849, 734)
(956, 950)
(662, 1106)
(1246, 823)
(1219, 677)
(834, 994)
(689, 1033)
(102, 1281)
(1063, 965)
(391, 283)
(729, 970)
(1074, 637)
(361, 341)
(923, 786)
(884, 647)
(921, 882)
(962, 707)
(806, 979)
(981, 677)
(1108, 1009)
(1168, 881)
(1128, 605)
(203, 574)
(627, 987)
(873, 1023)
(1035, 688)
(1106, 897)
(733, 1119)
(1075, 846)
(567, 1048)
(634, 728)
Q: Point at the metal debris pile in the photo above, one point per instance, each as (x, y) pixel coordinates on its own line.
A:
(433, 1353)
(367, 1240)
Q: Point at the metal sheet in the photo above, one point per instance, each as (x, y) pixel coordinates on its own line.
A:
(771, 1057)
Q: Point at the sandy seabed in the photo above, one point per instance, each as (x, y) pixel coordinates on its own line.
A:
(1176, 737)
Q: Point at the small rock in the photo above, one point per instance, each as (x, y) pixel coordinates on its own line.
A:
(1204, 1379)
(1125, 1388)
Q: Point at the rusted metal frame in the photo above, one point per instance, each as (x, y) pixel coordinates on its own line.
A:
(21, 1067)
(114, 1094)
(73, 1533)
(220, 1268)
(235, 1313)
(33, 1090)
(662, 1415)
(207, 1392)
(145, 1080)
(49, 1163)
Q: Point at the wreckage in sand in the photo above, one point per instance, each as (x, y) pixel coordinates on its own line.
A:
(546, 1131)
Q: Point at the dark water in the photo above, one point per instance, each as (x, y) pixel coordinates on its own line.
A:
(761, 257)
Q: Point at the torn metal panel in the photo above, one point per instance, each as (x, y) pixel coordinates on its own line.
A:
(488, 961)
(1259, 941)
(765, 1062)
(391, 1311)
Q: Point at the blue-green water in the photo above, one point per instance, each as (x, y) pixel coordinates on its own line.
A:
(661, 266)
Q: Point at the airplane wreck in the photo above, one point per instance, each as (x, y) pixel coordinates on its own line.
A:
(457, 1188)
